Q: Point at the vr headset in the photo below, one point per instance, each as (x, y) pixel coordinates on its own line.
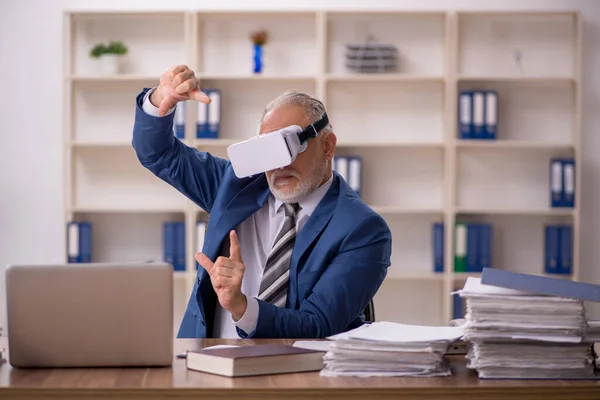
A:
(272, 150)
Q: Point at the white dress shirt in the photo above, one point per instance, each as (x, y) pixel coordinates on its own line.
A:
(256, 235)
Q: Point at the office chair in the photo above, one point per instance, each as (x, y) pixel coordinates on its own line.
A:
(369, 311)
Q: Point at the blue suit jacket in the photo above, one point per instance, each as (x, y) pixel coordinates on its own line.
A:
(339, 260)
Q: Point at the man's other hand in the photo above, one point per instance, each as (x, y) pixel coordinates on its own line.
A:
(226, 277)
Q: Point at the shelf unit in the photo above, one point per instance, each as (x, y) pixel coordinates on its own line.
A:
(403, 124)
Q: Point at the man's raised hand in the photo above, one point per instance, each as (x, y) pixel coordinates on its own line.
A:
(178, 83)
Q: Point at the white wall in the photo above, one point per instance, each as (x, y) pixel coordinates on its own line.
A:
(31, 195)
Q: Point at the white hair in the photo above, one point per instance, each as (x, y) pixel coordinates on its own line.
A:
(313, 108)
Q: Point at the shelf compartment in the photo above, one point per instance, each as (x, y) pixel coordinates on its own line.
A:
(402, 178)
(538, 112)
(155, 41)
(496, 180)
(225, 46)
(517, 44)
(109, 178)
(386, 112)
(517, 241)
(127, 237)
(419, 39)
(103, 111)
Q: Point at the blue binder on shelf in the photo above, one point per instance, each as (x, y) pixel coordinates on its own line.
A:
(551, 249)
(214, 114)
(179, 122)
(565, 256)
(458, 305)
(568, 174)
(540, 284)
(355, 173)
(79, 242)
(491, 115)
(202, 121)
(465, 114)
(473, 246)
(438, 246)
(478, 131)
(485, 246)
(174, 244)
(556, 183)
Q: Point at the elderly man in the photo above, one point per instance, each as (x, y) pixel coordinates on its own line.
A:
(289, 253)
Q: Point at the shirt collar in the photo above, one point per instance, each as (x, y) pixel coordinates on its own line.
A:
(310, 202)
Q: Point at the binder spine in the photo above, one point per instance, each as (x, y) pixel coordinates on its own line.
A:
(465, 116)
(472, 264)
(551, 249)
(355, 173)
(179, 126)
(491, 115)
(569, 182)
(438, 247)
(342, 167)
(214, 114)
(85, 242)
(73, 253)
(485, 246)
(566, 249)
(202, 121)
(556, 183)
(478, 115)
(460, 248)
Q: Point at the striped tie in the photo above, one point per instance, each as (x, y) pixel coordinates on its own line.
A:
(276, 276)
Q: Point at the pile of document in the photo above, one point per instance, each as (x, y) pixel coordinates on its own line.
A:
(526, 335)
(390, 349)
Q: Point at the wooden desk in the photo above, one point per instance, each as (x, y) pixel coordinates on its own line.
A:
(178, 382)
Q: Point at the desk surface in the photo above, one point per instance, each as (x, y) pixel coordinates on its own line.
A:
(178, 382)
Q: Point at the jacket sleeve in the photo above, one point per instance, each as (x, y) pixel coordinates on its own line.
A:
(195, 174)
(347, 285)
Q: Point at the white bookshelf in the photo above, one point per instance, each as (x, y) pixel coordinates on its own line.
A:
(416, 170)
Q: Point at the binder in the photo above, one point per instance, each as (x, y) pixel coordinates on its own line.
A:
(355, 173)
(214, 114)
(73, 254)
(478, 115)
(179, 123)
(202, 121)
(460, 247)
(568, 170)
(485, 246)
(79, 242)
(438, 246)
(565, 256)
(551, 249)
(540, 284)
(341, 166)
(465, 114)
(457, 306)
(179, 246)
(491, 115)
(200, 233)
(556, 183)
(473, 238)
(169, 243)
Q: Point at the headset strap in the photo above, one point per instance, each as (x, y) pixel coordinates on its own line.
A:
(312, 130)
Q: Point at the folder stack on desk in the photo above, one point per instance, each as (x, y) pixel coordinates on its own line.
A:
(515, 334)
(390, 349)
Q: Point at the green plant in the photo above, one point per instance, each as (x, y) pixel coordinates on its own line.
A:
(113, 47)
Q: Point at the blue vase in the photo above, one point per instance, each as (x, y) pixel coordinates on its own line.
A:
(258, 64)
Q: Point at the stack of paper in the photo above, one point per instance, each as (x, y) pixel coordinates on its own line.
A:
(390, 349)
(518, 334)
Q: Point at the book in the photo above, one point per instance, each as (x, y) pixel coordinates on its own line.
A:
(254, 360)
(437, 242)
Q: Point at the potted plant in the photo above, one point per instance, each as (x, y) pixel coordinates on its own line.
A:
(109, 56)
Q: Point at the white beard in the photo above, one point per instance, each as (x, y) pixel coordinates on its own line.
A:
(304, 188)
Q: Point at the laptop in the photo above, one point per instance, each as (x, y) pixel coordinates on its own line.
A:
(90, 315)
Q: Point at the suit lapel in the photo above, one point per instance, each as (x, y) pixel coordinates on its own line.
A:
(311, 230)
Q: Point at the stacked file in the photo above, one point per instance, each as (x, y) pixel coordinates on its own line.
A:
(518, 334)
(390, 349)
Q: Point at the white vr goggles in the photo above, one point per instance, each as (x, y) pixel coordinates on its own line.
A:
(272, 150)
